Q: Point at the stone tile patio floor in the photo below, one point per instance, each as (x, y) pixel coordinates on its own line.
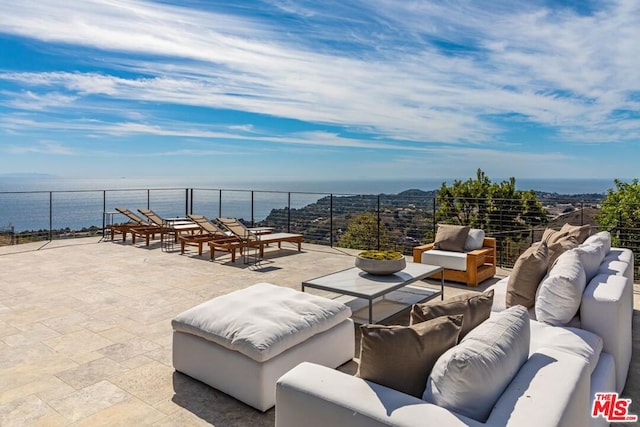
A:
(85, 332)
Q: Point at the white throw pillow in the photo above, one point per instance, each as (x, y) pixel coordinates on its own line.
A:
(591, 256)
(603, 237)
(470, 378)
(475, 240)
(560, 293)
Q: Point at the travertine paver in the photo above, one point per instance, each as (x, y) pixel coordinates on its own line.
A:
(85, 332)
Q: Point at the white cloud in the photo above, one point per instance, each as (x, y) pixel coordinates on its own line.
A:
(555, 68)
(44, 147)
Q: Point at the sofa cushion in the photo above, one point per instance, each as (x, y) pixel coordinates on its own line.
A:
(551, 236)
(591, 256)
(470, 377)
(528, 271)
(559, 247)
(560, 293)
(451, 237)
(603, 237)
(579, 342)
(263, 320)
(475, 240)
(580, 232)
(475, 307)
(401, 357)
(446, 259)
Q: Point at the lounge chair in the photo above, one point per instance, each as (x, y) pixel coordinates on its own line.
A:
(251, 238)
(213, 235)
(170, 226)
(136, 226)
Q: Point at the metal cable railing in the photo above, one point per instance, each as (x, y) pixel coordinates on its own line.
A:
(360, 221)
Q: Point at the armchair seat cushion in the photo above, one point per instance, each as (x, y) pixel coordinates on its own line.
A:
(446, 259)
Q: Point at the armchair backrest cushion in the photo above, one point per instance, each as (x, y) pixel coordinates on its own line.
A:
(451, 237)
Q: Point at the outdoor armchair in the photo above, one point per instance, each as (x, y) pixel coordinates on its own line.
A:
(471, 266)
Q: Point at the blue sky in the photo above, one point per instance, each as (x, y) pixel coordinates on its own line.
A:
(312, 90)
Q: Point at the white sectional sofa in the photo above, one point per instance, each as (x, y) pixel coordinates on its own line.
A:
(554, 387)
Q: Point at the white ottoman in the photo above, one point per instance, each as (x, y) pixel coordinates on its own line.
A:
(242, 342)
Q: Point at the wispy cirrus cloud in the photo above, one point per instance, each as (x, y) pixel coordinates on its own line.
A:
(401, 75)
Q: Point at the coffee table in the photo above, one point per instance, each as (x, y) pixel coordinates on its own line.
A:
(376, 298)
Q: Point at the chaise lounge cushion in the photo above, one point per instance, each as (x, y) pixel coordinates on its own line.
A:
(401, 357)
(470, 377)
(451, 237)
(474, 307)
(528, 271)
(279, 327)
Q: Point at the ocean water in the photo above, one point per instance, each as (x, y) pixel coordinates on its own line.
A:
(41, 202)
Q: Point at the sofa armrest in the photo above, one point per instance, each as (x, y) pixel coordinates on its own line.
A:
(314, 395)
(418, 250)
(606, 312)
(550, 389)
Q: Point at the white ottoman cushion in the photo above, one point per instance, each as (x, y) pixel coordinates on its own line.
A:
(262, 320)
(242, 342)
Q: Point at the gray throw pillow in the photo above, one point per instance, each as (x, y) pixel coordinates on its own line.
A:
(528, 271)
(451, 237)
(475, 308)
(401, 357)
(475, 240)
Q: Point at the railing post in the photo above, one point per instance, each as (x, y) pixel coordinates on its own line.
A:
(331, 220)
(582, 213)
(500, 233)
(186, 201)
(289, 212)
(433, 225)
(104, 212)
(148, 198)
(378, 242)
(252, 201)
(191, 202)
(50, 215)
(220, 203)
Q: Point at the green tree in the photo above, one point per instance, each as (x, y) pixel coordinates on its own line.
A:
(620, 213)
(491, 206)
(362, 233)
